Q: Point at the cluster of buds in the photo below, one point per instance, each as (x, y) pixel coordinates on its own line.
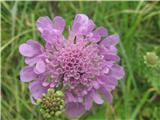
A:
(51, 103)
(151, 59)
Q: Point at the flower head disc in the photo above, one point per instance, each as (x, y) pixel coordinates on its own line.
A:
(83, 65)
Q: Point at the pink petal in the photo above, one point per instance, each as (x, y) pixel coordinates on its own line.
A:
(69, 97)
(44, 23)
(36, 45)
(111, 57)
(101, 31)
(95, 84)
(91, 25)
(117, 71)
(110, 40)
(51, 31)
(88, 101)
(53, 84)
(107, 94)
(74, 109)
(108, 80)
(31, 61)
(59, 23)
(27, 50)
(82, 24)
(97, 98)
(37, 89)
(81, 19)
(27, 74)
(50, 35)
(45, 84)
(40, 67)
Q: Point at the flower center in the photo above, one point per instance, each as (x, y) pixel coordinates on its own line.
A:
(79, 65)
(72, 62)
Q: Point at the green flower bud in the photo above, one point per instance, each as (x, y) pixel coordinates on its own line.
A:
(51, 104)
(50, 91)
(39, 101)
(60, 93)
(47, 115)
(58, 113)
(151, 58)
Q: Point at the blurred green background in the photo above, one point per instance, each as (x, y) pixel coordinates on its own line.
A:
(137, 96)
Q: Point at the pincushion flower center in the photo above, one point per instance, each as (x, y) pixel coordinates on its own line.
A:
(72, 62)
(79, 64)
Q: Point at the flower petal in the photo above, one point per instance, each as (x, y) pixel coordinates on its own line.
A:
(108, 81)
(97, 98)
(36, 45)
(110, 40)
(31, 61)
(27, 74)
(88, 101)
(53, 84)
(40, 67)
(111, 57)
(50, 35)
(27, 50)
(82, 24)
(51, 30)
(117, 71)
(74, 109)
(107, 94)
(69, 97)
(95, 84)
(59, 23)
(37, 89)
(101, 31)
(44, 23)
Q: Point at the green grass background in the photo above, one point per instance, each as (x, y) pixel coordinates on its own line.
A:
(137, 96)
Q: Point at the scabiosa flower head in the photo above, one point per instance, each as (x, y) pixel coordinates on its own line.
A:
(83, 65)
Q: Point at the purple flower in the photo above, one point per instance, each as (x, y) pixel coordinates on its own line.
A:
(82, 65)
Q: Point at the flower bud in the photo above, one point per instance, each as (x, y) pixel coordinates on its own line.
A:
(51, 104)
(151, 58)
